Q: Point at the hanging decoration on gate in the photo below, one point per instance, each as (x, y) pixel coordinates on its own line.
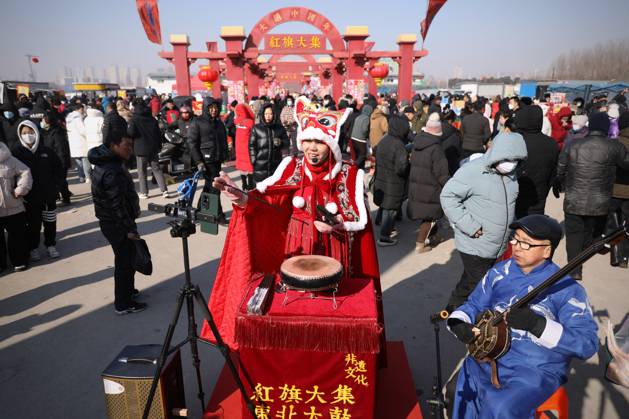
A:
(208, 76)
(149, 15)
(379, 72)
(433, 8)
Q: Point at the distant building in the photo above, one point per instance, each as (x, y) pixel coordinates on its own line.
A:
(161, 82)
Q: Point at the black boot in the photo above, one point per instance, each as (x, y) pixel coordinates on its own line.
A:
(243, 179)
(251, 183)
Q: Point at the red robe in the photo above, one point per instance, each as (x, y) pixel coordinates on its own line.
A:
(261, 237)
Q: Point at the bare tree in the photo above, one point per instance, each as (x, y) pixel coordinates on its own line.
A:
(609, 61)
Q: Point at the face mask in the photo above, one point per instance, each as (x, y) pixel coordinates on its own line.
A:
(9, 115)
(44, 125)
(510, 106)
(289, 103)
(29, 138)
(506, 167)
(576, 127)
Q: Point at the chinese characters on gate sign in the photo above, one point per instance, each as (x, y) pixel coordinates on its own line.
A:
(308, 42)
(289, 401)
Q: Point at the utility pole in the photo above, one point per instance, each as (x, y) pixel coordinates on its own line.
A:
(29, 57)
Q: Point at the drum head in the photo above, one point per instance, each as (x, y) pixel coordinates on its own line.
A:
(311, 272)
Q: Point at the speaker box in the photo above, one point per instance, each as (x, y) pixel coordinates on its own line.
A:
(127, 383)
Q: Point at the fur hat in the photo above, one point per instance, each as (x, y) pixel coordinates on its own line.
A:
(315, 122)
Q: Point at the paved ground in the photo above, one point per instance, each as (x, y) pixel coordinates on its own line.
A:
(58, 330)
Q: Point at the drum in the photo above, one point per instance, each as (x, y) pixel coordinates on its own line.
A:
(311, 273)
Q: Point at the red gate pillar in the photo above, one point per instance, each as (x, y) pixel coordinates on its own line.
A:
(406, 43)
(234, 64)
(355, 38)
(180, 45)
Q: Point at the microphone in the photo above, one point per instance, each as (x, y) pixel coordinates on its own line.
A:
(315, 160)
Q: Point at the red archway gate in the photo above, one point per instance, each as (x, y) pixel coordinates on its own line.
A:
(243, 64)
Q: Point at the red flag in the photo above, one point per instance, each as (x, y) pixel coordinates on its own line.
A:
(431, 11)
(149, 15)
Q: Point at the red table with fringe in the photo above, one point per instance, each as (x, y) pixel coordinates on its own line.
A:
(307, 358)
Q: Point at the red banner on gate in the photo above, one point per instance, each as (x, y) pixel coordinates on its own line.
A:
(149, 15)
(431, 11)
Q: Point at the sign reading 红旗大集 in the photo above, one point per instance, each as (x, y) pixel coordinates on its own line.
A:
(304, 42)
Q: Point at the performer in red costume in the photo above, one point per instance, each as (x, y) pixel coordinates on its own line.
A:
(262, 235)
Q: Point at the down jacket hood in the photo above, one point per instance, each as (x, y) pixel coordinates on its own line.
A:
(529, 119)
(506, 146)
(398, 127)
(5, 153)
(366, 110)
(32, 125)
(101, 155)
(242, 112)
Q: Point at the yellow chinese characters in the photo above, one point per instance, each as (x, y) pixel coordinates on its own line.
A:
(356, 369)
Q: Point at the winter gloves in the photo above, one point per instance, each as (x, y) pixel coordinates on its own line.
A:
(526, 319)
(517, 318)
(462, 330)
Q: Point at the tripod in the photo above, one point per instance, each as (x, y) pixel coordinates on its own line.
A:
(437, 403)
(188, 293)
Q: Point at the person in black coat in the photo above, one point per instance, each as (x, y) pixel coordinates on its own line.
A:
(475, 130)
(207, 141)
(265, 145)
(587, 171)
(389, 190)
(40, 202)
(56, 138)
(429, 173)
(116, 206)
(9, 120)
(536, 173)
(451, 141)
(113, 121)
(147, 141)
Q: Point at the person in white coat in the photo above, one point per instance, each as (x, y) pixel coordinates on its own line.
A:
(78, 142)
(93, 127)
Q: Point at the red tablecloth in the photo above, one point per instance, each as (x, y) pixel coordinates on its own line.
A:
(307, 358)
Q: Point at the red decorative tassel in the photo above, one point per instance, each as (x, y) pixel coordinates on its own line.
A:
(305, 333)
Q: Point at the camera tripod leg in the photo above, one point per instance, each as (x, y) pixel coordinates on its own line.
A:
(224, 350)
(192, 338)
(162, 356)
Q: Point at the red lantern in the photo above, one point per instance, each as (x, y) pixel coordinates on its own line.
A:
(34, 60)
(208, 76)
(379, 72)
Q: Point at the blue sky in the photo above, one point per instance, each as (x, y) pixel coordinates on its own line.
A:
(480, 37)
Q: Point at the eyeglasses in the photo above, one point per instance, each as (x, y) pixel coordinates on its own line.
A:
(525, 245)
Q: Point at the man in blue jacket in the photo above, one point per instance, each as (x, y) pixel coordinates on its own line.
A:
(479, 201)
(556, 327)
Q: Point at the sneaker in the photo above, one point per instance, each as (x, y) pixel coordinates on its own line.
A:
(19, 268)
(168, 195)
(35, 256)
(422, 248)
(143, 196)
(385, 242)
(87, 180)
(52, 252)
(394, 233)
(132, 308)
